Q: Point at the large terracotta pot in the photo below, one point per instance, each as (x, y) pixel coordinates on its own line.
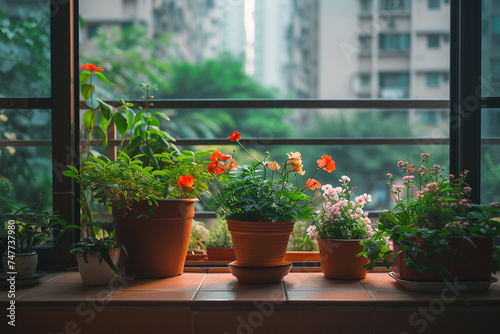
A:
(93, 273)
(476, 267)
(338, 258)
(156, 244)
(260, 244)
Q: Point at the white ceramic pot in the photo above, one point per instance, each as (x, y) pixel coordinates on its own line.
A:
(25, 263)
(93, 273)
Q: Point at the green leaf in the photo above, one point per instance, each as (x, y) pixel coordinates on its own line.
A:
(87, 91)
(84, 76)
(102, 134)
(102, 78)
(88, 119)
(161, 115)
(105, 108)
(104, 122)
(121, 122)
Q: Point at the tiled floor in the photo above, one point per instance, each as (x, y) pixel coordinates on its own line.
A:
(214, 302)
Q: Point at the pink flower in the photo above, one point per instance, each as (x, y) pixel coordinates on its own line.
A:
(469, 189)
(494, 204)
(390, 175)
(425, 155)
(400, 164)
(408, 177)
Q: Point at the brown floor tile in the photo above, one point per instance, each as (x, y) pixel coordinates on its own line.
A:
(434, 320)
(22, 289)
(328, 298)
(186, 281)
(318, 281)
(148, 298)
(266, 319)
(402, 297)
(238, 297)
(223, 281)
(376, 281)
(63, 290)
(90, 321)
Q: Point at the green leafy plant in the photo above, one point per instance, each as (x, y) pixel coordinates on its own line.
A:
(33, 228)
(430, 208)
(264, 191)
(125, 181)
(101, 247)
(219, 236)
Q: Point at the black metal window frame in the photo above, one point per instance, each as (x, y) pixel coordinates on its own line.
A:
(464, 104)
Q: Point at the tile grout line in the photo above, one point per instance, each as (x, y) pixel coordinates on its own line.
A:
(36, 287)
(287, 300)
(374, 305)
(193, 298)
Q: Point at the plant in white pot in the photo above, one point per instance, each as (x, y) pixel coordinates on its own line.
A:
(90, 253)
(25, 231)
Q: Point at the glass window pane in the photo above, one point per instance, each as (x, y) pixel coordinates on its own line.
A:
(432, 79)
(490, 40)
(490, 155)
(24, 165)
(261, 49)
(24, 48)
(434, 4)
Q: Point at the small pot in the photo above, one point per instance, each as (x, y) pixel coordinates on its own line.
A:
(220, 254)
(95, 273)
(338, 258)
(25, 263)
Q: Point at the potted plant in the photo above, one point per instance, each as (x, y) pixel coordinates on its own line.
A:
(261, 203)
(436, 232)
(219, 243)
(25, 231)
(339, 226)
(196, 248)
(152, 209)
(89, 254)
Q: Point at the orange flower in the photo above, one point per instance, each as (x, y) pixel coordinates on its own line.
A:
(235, 136)
(218, 165)
(186, 182)
(296, 162)
(92, 68)
(326, 163)
(273, 165)
(313, 184)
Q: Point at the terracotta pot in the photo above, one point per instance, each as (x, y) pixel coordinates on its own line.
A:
(25, 263)
(476, 267)
(220, 254)
(338, 258)
(259, 244)
(93, 273)
(156, 244)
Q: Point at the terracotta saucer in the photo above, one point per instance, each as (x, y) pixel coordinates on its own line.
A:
(260, 274)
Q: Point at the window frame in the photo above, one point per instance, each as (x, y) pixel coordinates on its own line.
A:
(465, 132)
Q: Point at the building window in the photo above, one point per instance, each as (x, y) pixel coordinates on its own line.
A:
(446, 77)
(434, 4)
(366, 5)
(432, 79)
(394, 85)
(433, 41)
(495, 70)
(392, 5)
(399, 42)
(429, 117)
(495, 25)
